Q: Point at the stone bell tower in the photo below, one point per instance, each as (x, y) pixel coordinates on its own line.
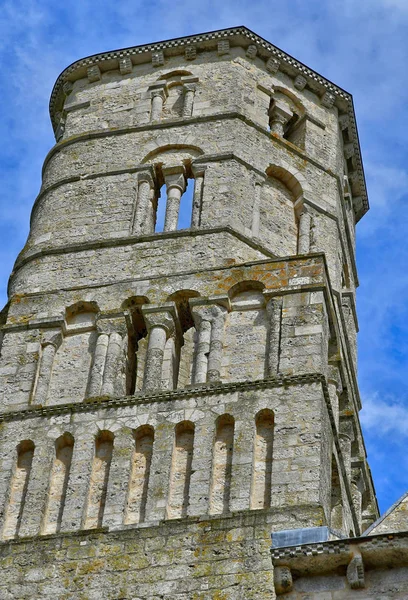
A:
(170, 395)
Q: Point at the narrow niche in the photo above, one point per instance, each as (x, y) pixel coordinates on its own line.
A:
(98, 485)
(262, 465)
(18, 489)
(180, 474)
(336, 502)
(222, 465)
(64, 447)
(135, 511)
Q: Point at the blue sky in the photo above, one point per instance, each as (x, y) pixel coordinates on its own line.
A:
(359, 44)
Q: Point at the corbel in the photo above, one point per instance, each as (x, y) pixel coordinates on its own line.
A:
(355, 571)
(283, 580)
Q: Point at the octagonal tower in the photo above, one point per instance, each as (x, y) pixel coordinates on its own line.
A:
(172, 393)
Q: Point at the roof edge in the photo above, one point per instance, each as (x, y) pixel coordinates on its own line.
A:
(287, 63)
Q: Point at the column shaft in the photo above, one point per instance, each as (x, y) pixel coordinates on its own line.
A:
(157, 106)
(255, 211)
(274, 308)
(112, 364)
(172, 208)
(141, 220)
(203, 349)
(304, 233)
(197, 200)
(45, 371)
(154, 358)
(188, 102)
(98, 366)
(215, 354)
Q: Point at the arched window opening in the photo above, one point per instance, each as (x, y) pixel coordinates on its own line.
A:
(220, 489)
(262, 463)
(18, 489)
(137, 345)
(161, 209)
(180, 473)
(185, 345)
(186, 206)
(135, 511)
(173, 105)
(98, 485)
(58, 484)
(286, 117)
(336, 501)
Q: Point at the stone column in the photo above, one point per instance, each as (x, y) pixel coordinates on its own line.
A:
(345, 445)
(304, 230)
(357, 494)
(50, 345)
(274, 310)
(142, 221)
(198, 172)
(161, 324)
(202, 320)
(175, 180)
(256, 209)
(98, 365)
(112, 364)
(346, 439)
(334, 387)
(279, 116)
(189, 92)
(217, 336)
(158, 94)
(209, 319)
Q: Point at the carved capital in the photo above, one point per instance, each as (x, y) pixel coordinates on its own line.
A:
(279, 115)
(163, 315)
(175, 177)
(159, 90)
(146, 175)
(52, 337)
(283, 580)
(110, 325)
(199, 169)
(206, 310)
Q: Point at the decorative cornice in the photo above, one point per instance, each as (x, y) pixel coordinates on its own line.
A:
(105, 402)
(329, 93)
(305, 558)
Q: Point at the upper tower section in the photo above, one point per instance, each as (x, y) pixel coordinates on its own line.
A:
(269, 146)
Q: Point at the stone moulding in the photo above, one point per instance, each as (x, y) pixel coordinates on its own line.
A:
(237, 36)
(376, 552)
(99, 402)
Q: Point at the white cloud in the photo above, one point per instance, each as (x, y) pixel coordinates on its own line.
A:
(385, 417)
